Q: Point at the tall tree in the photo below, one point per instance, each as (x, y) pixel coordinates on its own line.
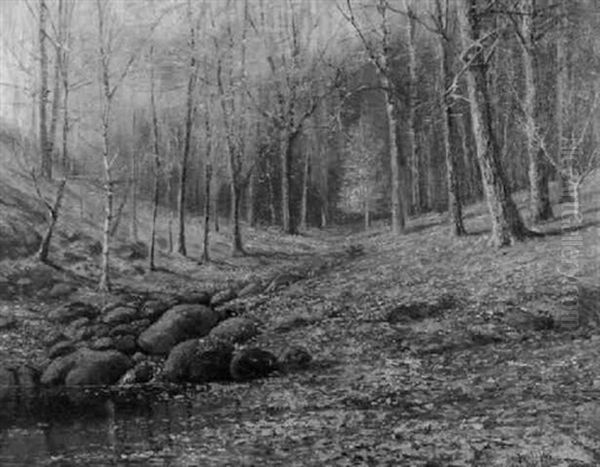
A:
(45, 142)
(189, 120)
(449, 130)
(478, 38)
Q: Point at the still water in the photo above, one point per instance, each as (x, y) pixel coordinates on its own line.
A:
(100, 429)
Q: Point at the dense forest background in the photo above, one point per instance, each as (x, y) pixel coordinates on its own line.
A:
(304, 113)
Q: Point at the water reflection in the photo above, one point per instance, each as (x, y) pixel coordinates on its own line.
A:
(80, 428)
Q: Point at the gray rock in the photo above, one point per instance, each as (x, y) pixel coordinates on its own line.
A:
(61, 290)
(153, 309)
(252, 288)
(94, 367)
(295, 358)
(119, 315)
(72, 311)
(139, 374)
(223, 296)
(235, 330)
(125, 343)
(61, 348)
(178, 324)
(199, 361)
(195, 298)
(134, 328)
(58, 369)
(252, 363)
(102, 343)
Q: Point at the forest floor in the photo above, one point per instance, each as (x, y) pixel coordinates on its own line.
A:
(428, 349)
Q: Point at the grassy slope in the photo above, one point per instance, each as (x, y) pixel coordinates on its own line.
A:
(472, 381)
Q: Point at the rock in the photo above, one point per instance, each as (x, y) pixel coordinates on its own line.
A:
(61, 290)
(79, 330)
(295, 320)
(8, 378)
(176, 325)
(99, 330)
(7, 322)
(52, 337)
(135, 250)
(95, 248)
(125, 343)
(295, 358)
(252, 363)
(223, 296)
(102, 343)
(282, 280)
(28, 377)
(134, 328)
(252, 288)
(153, 309)
(58, 369)
(234, 330)
(139, 374)
(94, 367)
(195, 298)
(199, 361)
(61, 348)
(121, 314)
(72, 311)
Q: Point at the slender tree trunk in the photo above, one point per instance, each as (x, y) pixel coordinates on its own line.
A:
(206, 240)
(156, 189)
(413, 161)
(305, 183)
(284, 152)
(53, 212)
(562, 81)
(45, 144)
(507, 225)
(170, 208)
(181, 246)
(56, 98)
(539, 198)
(272, 210)
(454, 198)
(250, 214)
(133, 194)
(398, 219)
(216, 206)
(367, 213)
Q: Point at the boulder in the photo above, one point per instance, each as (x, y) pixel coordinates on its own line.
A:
(134, 328)
(72, 311)
(79, 330)
(176, 325)
(235, 330)
(139, 374)
(153, 309)
(135, 250)
(283, 280)
(86, 367)
(102, 343)
(119, 315)
(195, 298)
(94, 367)
(199, 361)
(61, 348)
(252, 363)
(61, 290)
(223, 296)
(252, 288)
(294, 358)
(125, 343)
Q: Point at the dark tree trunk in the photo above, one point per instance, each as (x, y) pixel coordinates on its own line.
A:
(156, 189)
(205, 240)
(507, 225)
(53, 211)
(45, 143)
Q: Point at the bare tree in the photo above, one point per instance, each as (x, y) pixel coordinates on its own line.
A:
(379, 56)
(478, 42)
(45, 143)
(157, 165)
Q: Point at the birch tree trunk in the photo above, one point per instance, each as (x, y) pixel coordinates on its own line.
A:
(539, 198)
(45, 145)
(156, 188)
(507, 226)
(413, 161)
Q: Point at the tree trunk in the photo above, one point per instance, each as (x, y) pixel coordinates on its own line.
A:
(156, 189)
(181, 247)
(133, 194)
(236, 199)
(206, 241)
(305, 183)
(250, 215)
(562, 82)
(45, 144)
(284, 153)
(507, 225)
(53, 212)
(413, 161)
(398, 219)
(367, 213)
(539, 198)
(454, 198)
